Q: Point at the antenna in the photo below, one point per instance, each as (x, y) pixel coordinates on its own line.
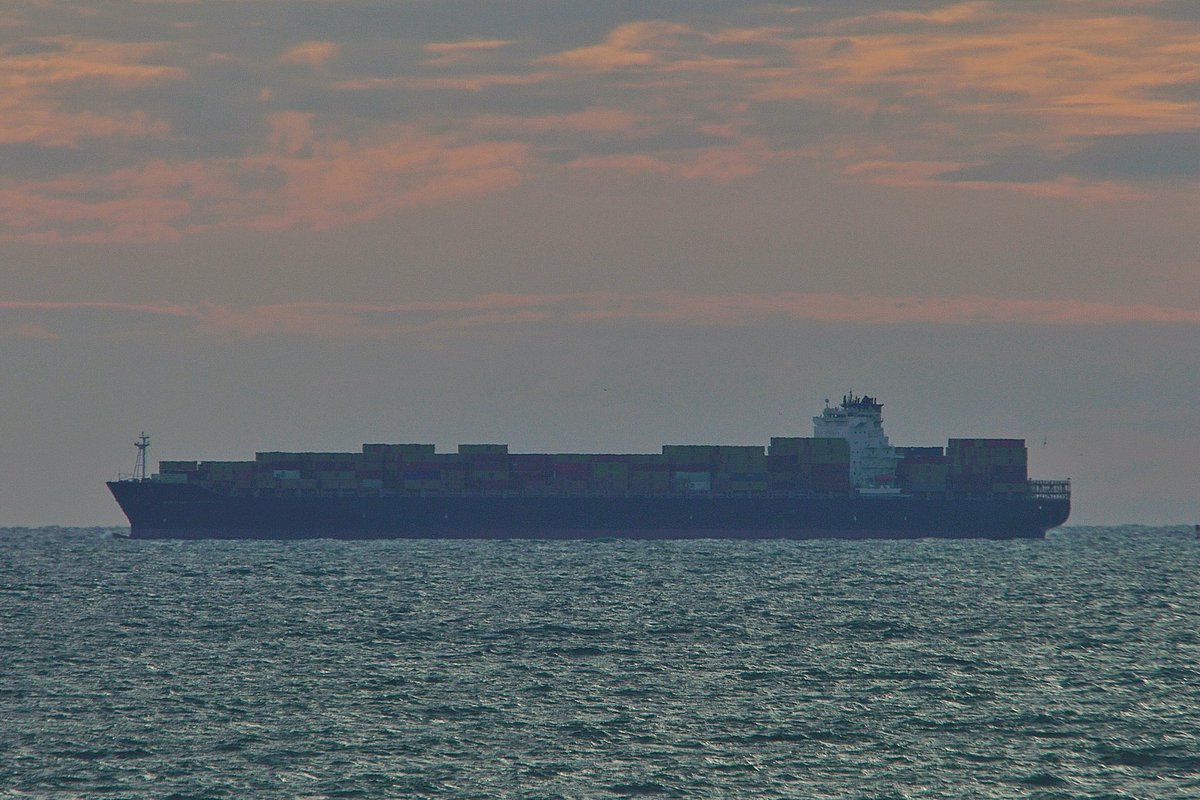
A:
(139, 466)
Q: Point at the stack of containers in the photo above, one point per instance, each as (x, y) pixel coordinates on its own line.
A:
(691, 466)
(922, 470)
(225, 475)
(177, 472)
(289, 471)
(420, 474)
(609, 473)
(988, 466)
(239, 474)
(531, 472)
(818, 464)
(388, 464)
(741, 469)
(487, 467)
(418, 468)
(330, 472)
(272, 467)
(649, 474)
(369, 470)
(570, 472)
(439, 471)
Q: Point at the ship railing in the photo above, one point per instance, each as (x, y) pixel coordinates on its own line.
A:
(124, 477)
(1050, 490)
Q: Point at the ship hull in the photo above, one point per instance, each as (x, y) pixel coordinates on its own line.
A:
(179, 511)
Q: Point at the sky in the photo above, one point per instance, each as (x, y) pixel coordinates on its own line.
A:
(304, 225)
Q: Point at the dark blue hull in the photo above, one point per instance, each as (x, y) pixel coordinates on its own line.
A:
(159, 510)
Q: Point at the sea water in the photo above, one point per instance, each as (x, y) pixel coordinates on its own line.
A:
(1064, 668)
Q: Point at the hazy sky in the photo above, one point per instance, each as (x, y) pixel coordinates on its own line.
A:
(278, 224)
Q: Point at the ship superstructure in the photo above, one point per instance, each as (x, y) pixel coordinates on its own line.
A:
(859, 420)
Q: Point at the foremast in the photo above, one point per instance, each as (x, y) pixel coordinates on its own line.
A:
(140, 464)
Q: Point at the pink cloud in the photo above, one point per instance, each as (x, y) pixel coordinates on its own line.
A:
(711, 164)
(316, 179)
(965, 81)
(68, 60)
(632, 44)
(468, 51)
(471, 82)
(912, 174)
(29, 330)
(31, 85)
(957, 85)
(596, 120)
(1070, 71)
(666, 308)
(312, 54)
(972, 11)
(153, 309)
(139, 204)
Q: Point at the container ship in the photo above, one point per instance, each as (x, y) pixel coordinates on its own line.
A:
(846, 481)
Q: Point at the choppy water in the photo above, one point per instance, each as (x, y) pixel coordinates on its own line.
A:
(1068, 668)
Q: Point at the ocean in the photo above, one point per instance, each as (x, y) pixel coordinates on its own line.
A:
(1064, 668)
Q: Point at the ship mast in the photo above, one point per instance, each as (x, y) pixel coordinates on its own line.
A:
(139, 466)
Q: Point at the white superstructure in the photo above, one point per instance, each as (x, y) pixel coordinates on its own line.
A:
(859, 420)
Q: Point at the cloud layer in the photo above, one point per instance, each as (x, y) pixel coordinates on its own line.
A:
(178, 121)
(41, 320)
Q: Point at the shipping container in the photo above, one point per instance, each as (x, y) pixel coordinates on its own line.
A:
(913, 453)
(487, 461)
(474, 449)
(692, 481)
(650, 482)
(572, 470)
(788, 482)
(608, 485)
(424, 486)
(986, 444)
(612, 458)
(969, 483)
(809, 450)
(690, 453)
(530, 462)
(923, 474)
(398, 451)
